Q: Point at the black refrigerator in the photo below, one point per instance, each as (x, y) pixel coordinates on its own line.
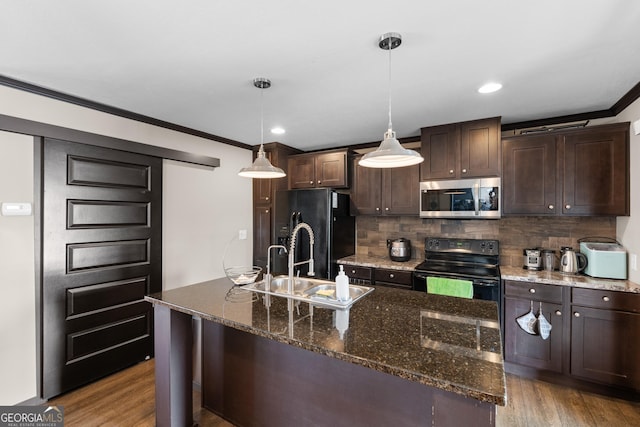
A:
(334, 229)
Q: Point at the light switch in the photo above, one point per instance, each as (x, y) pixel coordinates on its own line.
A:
(15, 209)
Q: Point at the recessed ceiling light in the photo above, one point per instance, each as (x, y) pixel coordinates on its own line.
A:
(490, 87)
(277, 130)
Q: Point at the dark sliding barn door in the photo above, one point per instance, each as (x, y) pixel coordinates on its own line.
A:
(102, 252)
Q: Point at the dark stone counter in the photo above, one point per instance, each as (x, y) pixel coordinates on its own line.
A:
(452, 344)
(519, 274)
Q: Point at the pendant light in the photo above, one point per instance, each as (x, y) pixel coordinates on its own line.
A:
(390, 154)
(261, 167)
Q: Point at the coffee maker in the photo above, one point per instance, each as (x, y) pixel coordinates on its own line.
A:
(532, 259)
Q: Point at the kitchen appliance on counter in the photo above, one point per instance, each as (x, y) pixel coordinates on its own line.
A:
(327, 212)
(549, 259)
(461, 198)
(571, 262)
(605, 260)
(465, 259)
(532, 259)
(399, 249)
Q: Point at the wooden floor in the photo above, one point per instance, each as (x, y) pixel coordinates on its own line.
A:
(127, 399)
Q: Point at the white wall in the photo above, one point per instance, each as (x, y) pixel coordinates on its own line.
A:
(203, 209)
(628, 228)
(17, 288)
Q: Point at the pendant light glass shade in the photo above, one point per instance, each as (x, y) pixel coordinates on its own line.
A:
(390, 154)
(262, 167)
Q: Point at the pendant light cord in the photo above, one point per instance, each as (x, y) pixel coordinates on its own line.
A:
(261, 116)
(389, 47)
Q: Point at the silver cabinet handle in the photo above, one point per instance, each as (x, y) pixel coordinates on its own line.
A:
(567, 206)
(532, 291)
(353, 272)
(576, 314)
(391, 276)
(386, 209)
(605, 299)
(266, 211)
(319, 182)
(464, 171)
(551, 207)
(558, 313)
(311, 182)
(377, 209)
(450, 171)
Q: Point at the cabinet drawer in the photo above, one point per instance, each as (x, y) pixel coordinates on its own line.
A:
(357, 272)
(535, 291)
(398, 277)
(611, 300)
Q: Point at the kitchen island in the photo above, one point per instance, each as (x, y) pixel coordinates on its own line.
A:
(395, 357)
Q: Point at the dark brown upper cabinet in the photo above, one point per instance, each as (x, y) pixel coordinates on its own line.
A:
(461, 150)
(393, 191)
(316, 170)
(582, 172)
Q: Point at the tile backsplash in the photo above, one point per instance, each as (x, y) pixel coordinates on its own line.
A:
(514, 233)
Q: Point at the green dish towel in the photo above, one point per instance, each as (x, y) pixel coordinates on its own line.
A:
(450, 287)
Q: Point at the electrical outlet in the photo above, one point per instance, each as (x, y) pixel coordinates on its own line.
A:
(242, 234)
(634, 261)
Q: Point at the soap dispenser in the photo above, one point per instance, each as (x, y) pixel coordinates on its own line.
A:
(342, 286)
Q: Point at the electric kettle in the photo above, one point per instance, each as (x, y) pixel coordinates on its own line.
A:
(571, 262)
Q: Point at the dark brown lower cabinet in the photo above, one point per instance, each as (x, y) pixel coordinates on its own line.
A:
(393, 278)
(531, 350)
(594, 342)
(605, 342)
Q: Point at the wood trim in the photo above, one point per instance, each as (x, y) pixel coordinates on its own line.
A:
(626, 100)
(83, 102)
(30, 127)
(558, 119)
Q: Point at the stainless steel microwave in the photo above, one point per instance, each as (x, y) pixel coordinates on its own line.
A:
(461, 198)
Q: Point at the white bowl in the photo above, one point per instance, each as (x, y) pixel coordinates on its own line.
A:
(243, 275)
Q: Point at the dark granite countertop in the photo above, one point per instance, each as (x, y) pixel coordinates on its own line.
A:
(449, 343)
(379, 262)
(519, 274)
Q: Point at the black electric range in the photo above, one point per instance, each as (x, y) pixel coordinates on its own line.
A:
(476, 260)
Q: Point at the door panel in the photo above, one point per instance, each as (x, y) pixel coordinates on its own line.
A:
(102, 219)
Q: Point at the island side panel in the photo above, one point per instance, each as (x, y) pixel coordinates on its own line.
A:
(173, 367)
(251, 380)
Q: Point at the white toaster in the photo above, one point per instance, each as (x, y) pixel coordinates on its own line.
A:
(605, 260)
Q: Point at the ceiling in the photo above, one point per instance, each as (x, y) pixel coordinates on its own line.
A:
(193, 63)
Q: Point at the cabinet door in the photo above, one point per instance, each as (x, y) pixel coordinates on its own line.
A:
(393, 278)
(331, 170)
(439, 147)
(529, 175)
(262, 191)
(367, 189)
(301, 171)
(401, 191)
(594, 171)
(480, 148)
(605, 346)
(531, 350)
(261, 234)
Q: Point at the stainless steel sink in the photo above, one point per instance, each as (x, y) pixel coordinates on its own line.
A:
(279, 285)
(313, 291)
